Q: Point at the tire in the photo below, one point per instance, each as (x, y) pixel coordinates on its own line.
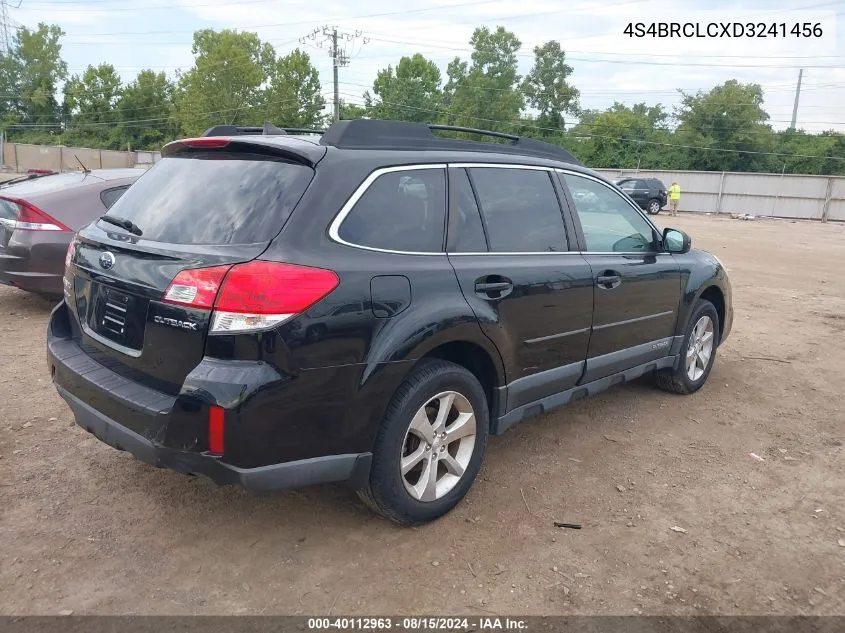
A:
(653, 206)
(683, 380)
(416, 403)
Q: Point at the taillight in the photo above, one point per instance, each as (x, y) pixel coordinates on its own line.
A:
(30, 218)
(196, 287)
(209, 142)
(252, 296)
(70, 249)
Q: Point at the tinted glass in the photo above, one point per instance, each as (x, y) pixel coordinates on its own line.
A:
(214, 199)
(110, 196)
(520, 210)
(466, 235)
(400, 211)
(610, 224)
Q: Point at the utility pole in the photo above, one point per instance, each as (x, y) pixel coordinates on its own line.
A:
(336, 60)
(797, 95)
(7, 24)
(337, 41)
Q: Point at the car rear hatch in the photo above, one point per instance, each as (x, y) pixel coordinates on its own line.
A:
(142, 283)
(19, 203)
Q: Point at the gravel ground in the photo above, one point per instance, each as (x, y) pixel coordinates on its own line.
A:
(86, 528)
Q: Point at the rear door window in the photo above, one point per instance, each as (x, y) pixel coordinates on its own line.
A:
(400, 211)
(520, 209)
(216, 199)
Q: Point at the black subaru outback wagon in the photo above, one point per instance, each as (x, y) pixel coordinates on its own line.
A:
(368, 305)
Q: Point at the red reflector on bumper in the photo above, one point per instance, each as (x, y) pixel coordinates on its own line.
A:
(215, 430)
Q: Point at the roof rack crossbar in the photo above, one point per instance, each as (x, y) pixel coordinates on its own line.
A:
(472, 130)
(404, 135)
(268, 129)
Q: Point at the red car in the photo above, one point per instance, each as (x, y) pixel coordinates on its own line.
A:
(39, 214)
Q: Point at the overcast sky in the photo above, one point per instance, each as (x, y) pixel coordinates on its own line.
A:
(609, 65)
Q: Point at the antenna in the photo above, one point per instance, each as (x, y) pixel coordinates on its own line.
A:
(85, 170)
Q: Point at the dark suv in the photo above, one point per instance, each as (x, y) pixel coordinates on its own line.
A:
(648, 193)
(367, 306)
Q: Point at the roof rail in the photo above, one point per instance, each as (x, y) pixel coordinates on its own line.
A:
(403, 135)
(267, 130)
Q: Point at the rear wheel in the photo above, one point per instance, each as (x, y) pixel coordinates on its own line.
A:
(653, 206)
(698, 352)
(430, 446)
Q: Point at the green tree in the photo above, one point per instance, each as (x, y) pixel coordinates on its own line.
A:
(146, 112)
(804, 153)
(546, 89)
(32, 70)
(225, 83)
(730, 116)
(626, 137)
(294, 97)
(350, 111)
(410, 92)
(486, 92)
(90, 99)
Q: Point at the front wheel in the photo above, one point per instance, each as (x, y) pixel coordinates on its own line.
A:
(698, 352)
(653, 207)
(431, 444)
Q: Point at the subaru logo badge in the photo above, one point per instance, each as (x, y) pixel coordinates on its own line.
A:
(106, 260)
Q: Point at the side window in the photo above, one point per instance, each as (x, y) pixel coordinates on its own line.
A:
(110, 196)
(466, 233)
(609, 222)
(400, 211)
(520, 209)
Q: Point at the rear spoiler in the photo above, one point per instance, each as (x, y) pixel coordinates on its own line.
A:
(294, 150)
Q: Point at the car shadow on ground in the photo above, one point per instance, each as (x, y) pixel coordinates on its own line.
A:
(227, 507)
(16, 301)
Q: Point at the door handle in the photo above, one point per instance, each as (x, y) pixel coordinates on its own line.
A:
(488, 287)
(608, 280)
(493, 287)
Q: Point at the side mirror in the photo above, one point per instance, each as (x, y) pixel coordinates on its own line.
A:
(676, 241)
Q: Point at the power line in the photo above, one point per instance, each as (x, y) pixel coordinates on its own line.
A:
(331, 36)
(339, 18)
(6, 24)
(519, 123)
(627, 61)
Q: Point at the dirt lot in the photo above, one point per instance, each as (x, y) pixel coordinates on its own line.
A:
(86, 528)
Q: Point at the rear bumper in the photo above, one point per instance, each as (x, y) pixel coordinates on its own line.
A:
(34, 261)
(305, 472)
(159, 429)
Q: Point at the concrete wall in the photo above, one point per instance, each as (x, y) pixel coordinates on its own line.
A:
(20, 157)
(775, 195)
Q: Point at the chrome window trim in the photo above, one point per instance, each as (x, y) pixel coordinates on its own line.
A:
(346, 209)
(334, 227)
(501, 166)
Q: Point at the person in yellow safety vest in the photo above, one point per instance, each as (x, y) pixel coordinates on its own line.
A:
(674, 197)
